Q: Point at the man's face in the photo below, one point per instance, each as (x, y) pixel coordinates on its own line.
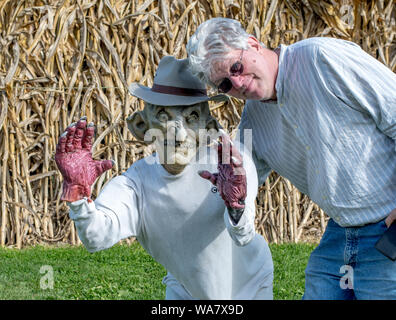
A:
(256, 82)
(177, 131)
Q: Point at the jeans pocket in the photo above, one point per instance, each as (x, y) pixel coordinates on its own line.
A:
(380, 228)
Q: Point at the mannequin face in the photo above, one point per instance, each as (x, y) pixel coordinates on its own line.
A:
(177, 132)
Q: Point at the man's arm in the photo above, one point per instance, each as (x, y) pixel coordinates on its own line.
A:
(245, 136)
(364, 84)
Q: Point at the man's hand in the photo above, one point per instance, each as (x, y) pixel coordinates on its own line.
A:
(74, 160)
(230, 179)
(390, 218)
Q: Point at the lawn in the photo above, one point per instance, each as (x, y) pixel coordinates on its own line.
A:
(121, 272)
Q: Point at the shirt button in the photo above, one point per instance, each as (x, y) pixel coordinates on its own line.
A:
(295, 126)
(281, 105)
(307, 147)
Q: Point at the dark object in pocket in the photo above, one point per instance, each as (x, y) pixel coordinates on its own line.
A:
(387, 243)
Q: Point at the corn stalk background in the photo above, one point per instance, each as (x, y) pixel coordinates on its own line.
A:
(60, 60)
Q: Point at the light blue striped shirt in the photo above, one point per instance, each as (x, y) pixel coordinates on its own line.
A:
(332, 130)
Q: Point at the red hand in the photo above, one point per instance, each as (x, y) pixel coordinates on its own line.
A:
(231, 177)
(74, 159)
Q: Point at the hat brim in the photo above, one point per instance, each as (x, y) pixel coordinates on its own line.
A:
(164, 99)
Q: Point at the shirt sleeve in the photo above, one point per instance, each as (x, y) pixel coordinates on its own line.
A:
(262, 169)
(113, 216)
(245, 136)
(361, 82)
(244, 231)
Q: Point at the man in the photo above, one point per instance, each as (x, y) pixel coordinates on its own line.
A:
(208, 245)
(323, 115)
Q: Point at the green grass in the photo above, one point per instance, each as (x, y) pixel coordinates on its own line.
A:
(121, 272)
(290, 261)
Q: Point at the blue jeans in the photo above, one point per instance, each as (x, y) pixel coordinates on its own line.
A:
(346, 266)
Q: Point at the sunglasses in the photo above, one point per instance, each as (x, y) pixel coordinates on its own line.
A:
(235, 70)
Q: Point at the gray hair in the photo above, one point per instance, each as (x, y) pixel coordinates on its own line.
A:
(211, 42)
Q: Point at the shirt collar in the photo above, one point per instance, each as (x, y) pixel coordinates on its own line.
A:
(280, 77)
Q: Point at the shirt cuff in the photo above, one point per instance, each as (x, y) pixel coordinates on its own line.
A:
(241, 223)
(80, 208)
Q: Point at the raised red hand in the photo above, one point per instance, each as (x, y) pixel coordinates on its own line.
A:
(74, 160)
(230, 179)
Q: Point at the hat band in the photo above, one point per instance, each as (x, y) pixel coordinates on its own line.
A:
(177, 91)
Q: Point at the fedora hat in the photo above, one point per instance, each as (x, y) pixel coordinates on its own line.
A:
(174, 85)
